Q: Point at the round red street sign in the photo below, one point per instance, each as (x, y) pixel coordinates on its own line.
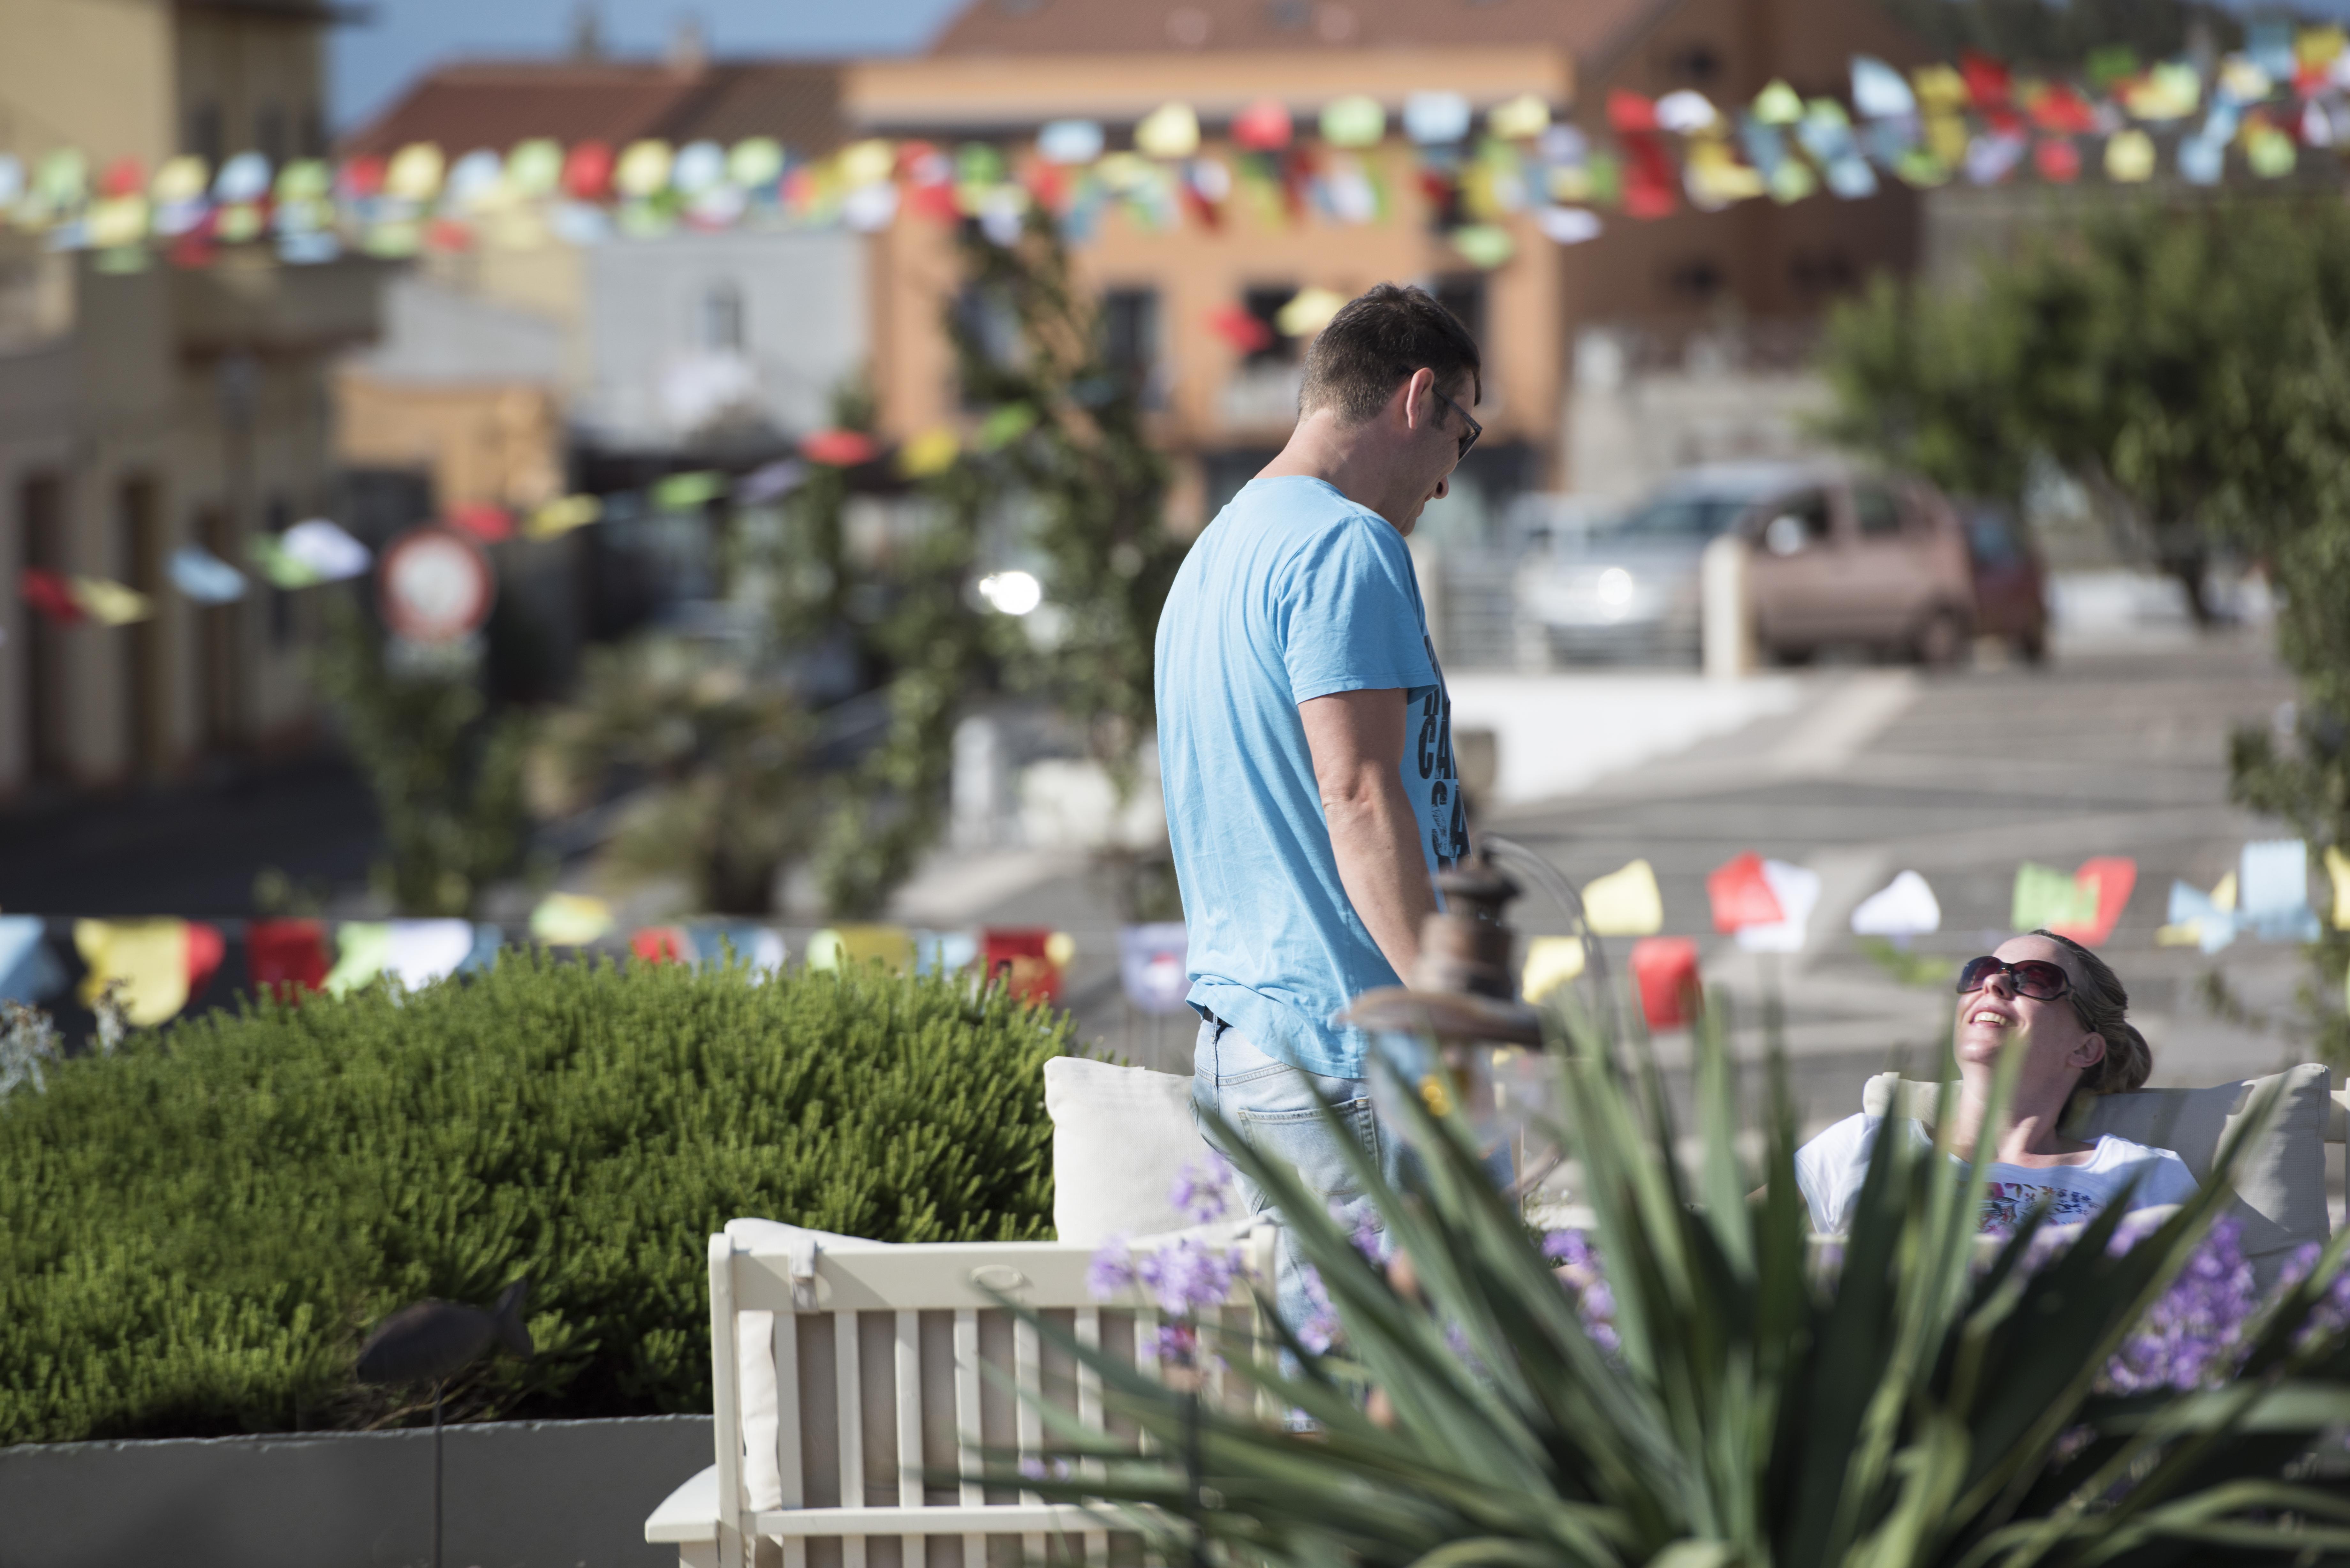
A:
(435, 584)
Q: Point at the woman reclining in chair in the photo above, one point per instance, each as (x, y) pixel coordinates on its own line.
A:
(2059, 1003)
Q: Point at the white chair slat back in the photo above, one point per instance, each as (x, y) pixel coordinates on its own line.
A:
(812, 1449)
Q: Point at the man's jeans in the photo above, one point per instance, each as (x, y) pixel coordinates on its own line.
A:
(1272, 1107)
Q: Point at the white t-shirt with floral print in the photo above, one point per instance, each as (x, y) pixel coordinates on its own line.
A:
(1830, 1169)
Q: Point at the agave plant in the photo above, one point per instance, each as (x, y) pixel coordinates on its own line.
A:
(1929, 1397)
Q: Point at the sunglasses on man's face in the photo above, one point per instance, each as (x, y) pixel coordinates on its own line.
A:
(2035, 978)
(1470, 430)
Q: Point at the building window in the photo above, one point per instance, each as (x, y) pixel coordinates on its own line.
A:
(278, 516)
(270, 130)
(992, 325)
(1695, 64)
(1130, 327)
(205, 138)
(1693, 281)
(720, 328)
(1817, 273)
(1264, 304)
(1464, 294)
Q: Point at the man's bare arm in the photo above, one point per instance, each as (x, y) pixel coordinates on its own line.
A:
(1358, 740)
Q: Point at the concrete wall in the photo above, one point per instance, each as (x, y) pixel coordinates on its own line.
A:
(519, 1494)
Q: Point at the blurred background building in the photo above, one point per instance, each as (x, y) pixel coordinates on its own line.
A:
(144, 413)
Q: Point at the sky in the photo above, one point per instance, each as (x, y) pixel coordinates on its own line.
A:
(372, 60)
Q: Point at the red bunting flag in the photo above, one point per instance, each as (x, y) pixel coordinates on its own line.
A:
(1741, 895)
(2115, 877)
(206, 948)
(1651, 188)
(51, 594)
(1239, 328)
(587, 172)
(2057, 158)
(1022, 957)
(1665, 968)
(362, 174)
(286, 957)
(1263, 127)
(484, 522)
(1628, 111)
(839, 449)
(662, 944)
(1988, 82)
(2061, 109)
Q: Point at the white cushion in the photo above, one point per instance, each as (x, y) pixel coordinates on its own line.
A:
(1121, 1136)
(758, 1401)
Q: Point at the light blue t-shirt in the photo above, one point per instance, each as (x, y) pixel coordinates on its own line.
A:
(1293, 592)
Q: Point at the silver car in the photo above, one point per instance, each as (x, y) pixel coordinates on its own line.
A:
(1627, 587)
(1842, 557)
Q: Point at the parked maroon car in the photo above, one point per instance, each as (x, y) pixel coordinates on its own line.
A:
(2011, 582)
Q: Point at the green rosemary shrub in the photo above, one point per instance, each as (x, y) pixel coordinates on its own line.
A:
(196, 1233)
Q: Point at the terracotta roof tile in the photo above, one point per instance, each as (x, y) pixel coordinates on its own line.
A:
(497, 103)
(1587, 29)
(795, 102)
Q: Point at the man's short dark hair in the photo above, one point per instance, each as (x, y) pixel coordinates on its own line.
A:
(1375, 341)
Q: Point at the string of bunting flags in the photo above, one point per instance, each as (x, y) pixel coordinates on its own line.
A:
(319, 550)
(1765, 906)
(162, 967)
(2258, 110)
(159, 968)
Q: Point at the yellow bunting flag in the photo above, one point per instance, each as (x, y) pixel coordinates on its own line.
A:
(1551, 962)
(1309, 310)
(853, 947)
(1171, 130)
(932, 452)
(1625, 903)
(2130, 157)
(1520, 120)
(110, 603)
(559, 517)
(149, 957)
(569, 919)
(2337, 870)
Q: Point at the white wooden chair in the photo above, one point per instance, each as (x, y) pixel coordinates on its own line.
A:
(844, 1370)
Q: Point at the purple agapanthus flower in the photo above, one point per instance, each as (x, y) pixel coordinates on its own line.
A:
(1572, 1248)
(1111, 1270)
(2329, 1315)
(1187, 1275)
(2193, 1336)
(1578, 1271)
(1201, 1190)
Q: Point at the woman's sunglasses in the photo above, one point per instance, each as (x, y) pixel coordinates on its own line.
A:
(2035, 978)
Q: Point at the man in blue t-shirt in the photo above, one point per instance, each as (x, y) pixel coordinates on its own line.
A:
(1305, 739)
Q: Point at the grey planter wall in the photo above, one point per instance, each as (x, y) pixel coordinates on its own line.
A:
(519, 1494)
